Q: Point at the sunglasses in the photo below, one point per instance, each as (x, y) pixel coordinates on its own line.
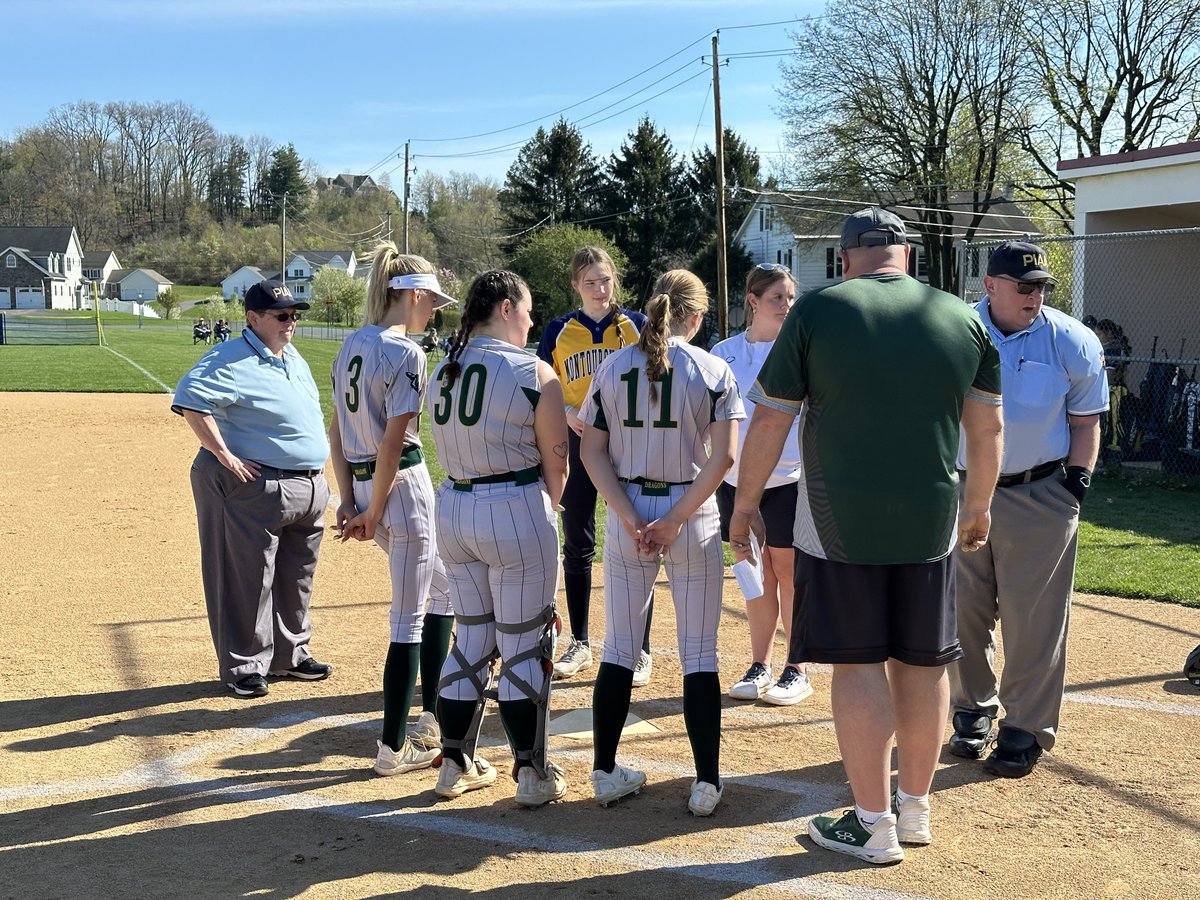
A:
(284, 317)
(1028, 287)
(773, 267)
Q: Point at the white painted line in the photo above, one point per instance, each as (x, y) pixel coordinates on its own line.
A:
(1178, 709)
(148, 374)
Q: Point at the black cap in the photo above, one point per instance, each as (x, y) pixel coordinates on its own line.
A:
(271, 295)
(1020, 260)
(873, 227)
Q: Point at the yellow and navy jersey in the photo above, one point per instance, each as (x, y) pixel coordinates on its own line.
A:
(575, 345)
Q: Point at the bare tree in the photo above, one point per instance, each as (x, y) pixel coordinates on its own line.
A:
(908, 103)
(1115, 75)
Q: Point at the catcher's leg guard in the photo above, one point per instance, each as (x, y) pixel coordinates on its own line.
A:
(548, 625)
(480, 674)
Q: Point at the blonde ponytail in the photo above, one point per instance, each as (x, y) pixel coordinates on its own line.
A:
(678, 294)
(386, 263)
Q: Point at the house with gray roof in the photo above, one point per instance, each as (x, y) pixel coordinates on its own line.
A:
(41, 267)
(137, 284)
(304, 264)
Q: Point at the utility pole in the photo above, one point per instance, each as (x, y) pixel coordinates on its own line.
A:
(722, 266)
(389, 224)
(283, 241)
(405, 196)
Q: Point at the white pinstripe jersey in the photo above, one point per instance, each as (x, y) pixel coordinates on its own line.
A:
(483, 423)
(665, 440)
(378, 374)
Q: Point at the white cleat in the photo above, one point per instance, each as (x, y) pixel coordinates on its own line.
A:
(704, 798)
(425, 732)
(621, 782)
(408, 758)
(912, 821)
(645, 667)
(454, 782)
(576, 658)
(533, 790)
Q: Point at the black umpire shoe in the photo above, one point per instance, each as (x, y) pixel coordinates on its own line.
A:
(250, 686)
(973, 731)
(308, 670)
(1016, 753)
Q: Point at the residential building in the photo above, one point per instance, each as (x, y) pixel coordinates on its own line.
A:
(42, 266)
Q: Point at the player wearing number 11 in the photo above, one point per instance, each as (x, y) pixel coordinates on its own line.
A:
(659, 435)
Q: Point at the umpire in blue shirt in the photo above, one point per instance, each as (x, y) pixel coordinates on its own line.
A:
(1052, 371)
(260, 491)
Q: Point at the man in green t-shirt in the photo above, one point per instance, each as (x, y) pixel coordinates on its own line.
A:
(885, 369)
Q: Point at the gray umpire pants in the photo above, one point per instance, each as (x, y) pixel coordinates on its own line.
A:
(1023, 577)
(258, 550)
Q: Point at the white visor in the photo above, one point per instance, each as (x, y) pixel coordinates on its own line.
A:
(422, 282)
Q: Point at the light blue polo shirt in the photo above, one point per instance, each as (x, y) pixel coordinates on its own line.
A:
(1052, 369)
(267, 408)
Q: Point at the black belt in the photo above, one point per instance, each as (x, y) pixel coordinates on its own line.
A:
(365, 471)
(651, 488)
(296, 473)
(1037, 473)
(519, 478)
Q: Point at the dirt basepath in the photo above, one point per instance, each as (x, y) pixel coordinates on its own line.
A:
(126, 770)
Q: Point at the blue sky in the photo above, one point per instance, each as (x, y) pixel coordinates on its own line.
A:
(348, 81)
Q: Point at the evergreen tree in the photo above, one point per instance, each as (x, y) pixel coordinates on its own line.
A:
(286, 176)
(742, 168)
(646, 200)
(555, 175)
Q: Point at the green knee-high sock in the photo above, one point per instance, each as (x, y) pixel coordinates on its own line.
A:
(702, 718)
(610, 706)
(454, 718)
(435, 644)
(520, 724)
(399, 681)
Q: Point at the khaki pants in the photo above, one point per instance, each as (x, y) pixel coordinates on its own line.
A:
(1023, 577)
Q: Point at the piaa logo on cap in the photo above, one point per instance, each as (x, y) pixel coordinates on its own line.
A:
(1038, 260)
(280, 291)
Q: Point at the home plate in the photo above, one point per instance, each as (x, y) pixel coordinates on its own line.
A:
(577, 725)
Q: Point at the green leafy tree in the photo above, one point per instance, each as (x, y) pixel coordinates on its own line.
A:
(646, 201)
(738, 263)
(167, 304)
(555, 176)
(544, 261)
(344, 295)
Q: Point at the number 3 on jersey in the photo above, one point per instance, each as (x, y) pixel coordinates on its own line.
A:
(354, 370)
(470, 396)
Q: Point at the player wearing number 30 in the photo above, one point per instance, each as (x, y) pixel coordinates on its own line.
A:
(386, 493)
(497, 415)
(659, 435)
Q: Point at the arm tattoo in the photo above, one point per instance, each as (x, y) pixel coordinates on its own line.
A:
(560, 450)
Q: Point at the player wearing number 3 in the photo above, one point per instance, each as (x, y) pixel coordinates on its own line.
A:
(387, 496)
(660, 431)
(497, 415)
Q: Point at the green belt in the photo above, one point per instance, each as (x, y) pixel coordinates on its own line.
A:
(365, 471)
(523, 477)
(653, 488)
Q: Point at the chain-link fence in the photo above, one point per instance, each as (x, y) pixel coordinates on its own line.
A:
(1139, 292)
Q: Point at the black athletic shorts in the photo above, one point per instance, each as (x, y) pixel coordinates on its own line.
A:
(778, 509)
(847, 613)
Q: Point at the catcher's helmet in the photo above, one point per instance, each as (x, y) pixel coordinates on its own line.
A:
(1191, 668)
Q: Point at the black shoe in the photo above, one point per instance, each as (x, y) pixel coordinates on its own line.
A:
(308, 670)
(972, 734)
(1016, 753)
(250, 686)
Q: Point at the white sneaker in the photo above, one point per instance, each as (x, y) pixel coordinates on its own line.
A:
(912, 821)
(704, 798)
(610, 787)
(577, 657)
(408, 758)
(877, 845)
(756, 680)
(792, 687)
(425, 732)
(454, 782)
(533, 790)
(645, 666)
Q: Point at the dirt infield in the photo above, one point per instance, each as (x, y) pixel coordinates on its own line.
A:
(126, 770)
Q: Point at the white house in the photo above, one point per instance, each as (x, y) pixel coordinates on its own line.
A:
(235, 285)
(47, 272)
(803, 233)
(304, 264)
(137, 284)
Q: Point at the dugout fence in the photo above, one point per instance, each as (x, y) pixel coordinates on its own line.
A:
(1138, 292)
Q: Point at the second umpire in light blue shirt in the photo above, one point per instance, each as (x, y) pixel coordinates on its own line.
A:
(260, 491)
(1052, 372)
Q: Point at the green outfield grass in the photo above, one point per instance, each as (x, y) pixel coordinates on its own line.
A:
(1139, 538)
